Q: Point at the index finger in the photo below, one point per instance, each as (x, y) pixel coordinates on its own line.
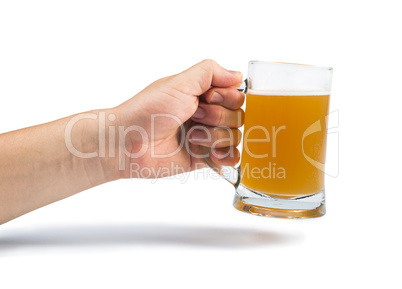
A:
(208, 73)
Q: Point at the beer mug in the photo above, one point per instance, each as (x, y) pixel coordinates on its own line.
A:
(281, 170)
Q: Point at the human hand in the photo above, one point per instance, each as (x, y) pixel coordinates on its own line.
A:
(157, 133)
(166, 123)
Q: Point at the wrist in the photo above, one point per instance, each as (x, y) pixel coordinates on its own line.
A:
(92, 140)
(130, 134)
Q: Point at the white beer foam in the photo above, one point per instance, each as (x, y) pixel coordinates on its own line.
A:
(289, 92)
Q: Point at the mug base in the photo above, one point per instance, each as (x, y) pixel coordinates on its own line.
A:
(311, 206)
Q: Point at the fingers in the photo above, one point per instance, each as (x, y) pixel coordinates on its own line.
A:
(216, 115)
(214, 137)
(230, 97)
(220, 107)
(208, 73)
(229, 156)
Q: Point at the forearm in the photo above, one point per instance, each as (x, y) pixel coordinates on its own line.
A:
(37, 166)
(154, 131)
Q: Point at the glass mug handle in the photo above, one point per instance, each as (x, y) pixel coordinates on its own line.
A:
(231, 174)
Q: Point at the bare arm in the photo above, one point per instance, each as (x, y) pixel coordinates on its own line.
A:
(37, 168)
(46, 163)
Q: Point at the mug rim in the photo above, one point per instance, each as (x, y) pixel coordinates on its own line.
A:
(290, 64)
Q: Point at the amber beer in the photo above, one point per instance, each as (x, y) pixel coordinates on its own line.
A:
(277, 151)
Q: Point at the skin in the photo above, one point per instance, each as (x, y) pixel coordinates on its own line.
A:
(159, 131)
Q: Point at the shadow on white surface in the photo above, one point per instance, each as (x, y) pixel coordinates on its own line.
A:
(141, 235)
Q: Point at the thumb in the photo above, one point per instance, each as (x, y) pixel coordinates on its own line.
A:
(208, 73)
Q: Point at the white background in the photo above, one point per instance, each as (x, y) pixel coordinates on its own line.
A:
(63, 57)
